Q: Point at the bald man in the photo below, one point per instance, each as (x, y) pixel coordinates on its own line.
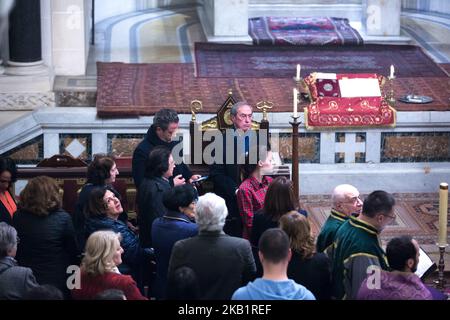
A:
(346, 203)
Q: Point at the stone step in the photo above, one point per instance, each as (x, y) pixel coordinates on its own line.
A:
(75, 91)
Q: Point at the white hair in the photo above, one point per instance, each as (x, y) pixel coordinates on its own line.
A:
(341, 191)
(211, 212)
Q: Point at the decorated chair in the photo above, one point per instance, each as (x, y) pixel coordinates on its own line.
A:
(347, 101)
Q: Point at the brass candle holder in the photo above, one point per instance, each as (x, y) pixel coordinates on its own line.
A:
(295, 174)
(390, 97)
(441, 282)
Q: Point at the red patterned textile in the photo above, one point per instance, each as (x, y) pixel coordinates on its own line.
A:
(335, 111)
(131, 90)
(317, 31)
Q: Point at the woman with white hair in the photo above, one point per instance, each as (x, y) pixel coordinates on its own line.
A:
(99, 270)
(221, 262)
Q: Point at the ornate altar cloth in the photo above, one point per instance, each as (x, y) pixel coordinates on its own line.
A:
(346, 100)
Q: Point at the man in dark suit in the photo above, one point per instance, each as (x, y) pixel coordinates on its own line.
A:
(160, 133)
(222, 263)
(225, 174)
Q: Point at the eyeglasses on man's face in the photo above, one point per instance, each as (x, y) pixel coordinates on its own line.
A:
(393, 216)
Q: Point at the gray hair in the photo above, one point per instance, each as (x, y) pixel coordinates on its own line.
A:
(237, 105)
(211, 212)
(8, 239)
(340, 193)
(164, 117)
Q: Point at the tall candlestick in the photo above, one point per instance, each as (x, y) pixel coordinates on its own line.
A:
(392, 72)
(443, 209)
(298, 73)
(295, 92)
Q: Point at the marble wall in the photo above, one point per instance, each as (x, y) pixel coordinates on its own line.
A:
(31, 152)
(71, 25)
(106, 8)
(441, 6)
(415, 147)
(76, 145)
(123, 145)
(308, 147)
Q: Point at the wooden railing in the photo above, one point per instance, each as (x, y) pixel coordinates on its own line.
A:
(72, 179)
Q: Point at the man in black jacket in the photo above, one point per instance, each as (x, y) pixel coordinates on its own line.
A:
(160, 133)
(225, 175)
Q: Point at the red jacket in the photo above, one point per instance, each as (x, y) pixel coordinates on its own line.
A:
(92, 285)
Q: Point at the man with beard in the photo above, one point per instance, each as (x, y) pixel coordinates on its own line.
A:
(401, 283)
(357, 247)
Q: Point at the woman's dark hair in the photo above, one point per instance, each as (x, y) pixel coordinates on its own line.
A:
(99, 169)
(96, 205)
(158, 162)
(41, 196)
(183, 284)
(179, 196)
(8, 164)
(280, 198)
(250, 164)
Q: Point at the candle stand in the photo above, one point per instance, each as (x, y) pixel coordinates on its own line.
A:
(440, 282)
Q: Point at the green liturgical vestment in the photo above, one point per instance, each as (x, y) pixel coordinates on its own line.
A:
(328, 232)
(356, 248)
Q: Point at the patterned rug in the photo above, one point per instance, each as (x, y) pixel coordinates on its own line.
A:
(245, 61)
(417, 215)
(302, 31)
(130, 90)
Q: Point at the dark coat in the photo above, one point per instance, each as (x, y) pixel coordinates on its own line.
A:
(140, 156)
(226, 178)
(165, 232)
(79, 218)
(47, 245)
(132, 251)
(314, 273)
(222, 263)
(150, 206)
(4, 213)
(262, 222)
(15, 281)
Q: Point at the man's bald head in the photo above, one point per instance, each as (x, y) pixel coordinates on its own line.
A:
(346, 200)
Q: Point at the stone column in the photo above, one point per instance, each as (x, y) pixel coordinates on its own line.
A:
(5, 8)
(225, 20)
(381, 18)
(25, 50)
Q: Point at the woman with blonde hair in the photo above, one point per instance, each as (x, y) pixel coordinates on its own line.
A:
(99, 272)
(311, 269)
(47, 237)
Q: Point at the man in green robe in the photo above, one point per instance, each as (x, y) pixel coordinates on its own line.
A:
(357, 249)
(345, 203)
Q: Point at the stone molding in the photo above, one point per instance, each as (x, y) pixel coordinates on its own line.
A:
(26, 101)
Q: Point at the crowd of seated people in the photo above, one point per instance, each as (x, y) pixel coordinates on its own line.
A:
(188, 241)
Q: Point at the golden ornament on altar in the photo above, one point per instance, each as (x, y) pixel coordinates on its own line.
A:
(196, 106)
(264, 106)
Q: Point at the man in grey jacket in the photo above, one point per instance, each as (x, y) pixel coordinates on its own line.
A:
(15, 281)
(222, 263)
